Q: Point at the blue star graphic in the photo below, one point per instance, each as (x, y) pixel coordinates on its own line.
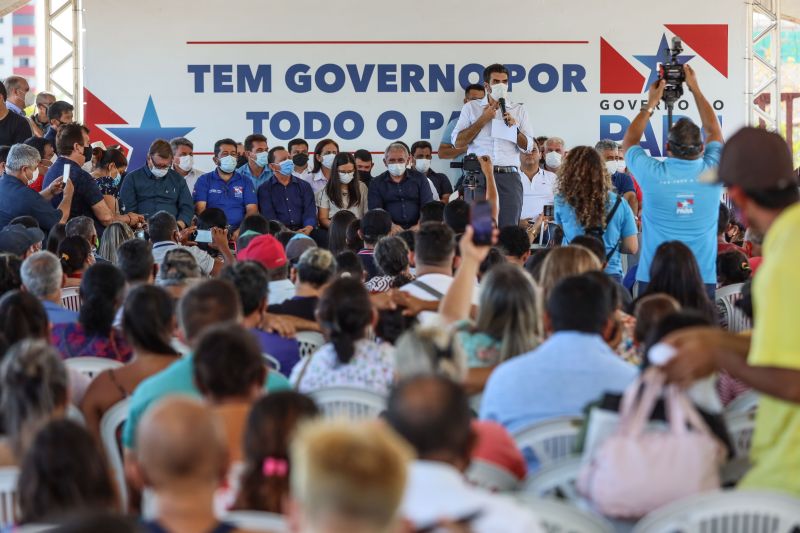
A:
(139, 138)
(661, 56)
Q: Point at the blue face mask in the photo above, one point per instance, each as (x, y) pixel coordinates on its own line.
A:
(227, 164)
(287, 167)
(261, 159)
(117, 179)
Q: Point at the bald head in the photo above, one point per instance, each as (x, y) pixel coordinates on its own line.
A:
(181, 442)
(432, 413)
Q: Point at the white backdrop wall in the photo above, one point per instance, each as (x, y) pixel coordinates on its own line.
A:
(367, 73)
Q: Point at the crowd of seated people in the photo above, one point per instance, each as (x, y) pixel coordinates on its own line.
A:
(221, 323)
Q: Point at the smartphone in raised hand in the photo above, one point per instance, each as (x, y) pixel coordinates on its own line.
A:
(482, 223)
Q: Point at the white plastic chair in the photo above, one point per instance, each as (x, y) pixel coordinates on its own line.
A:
(309, 342)
(743, 403)
(272, 363)
(555, 481)
(8, 495)
(347, 402)
(491, 477)
(736, 511)
(70, 298)
(109, 425)
(91, 366)
(557, 517)
(550, 440)
(727, 297)
(740, 429)
(257, 521)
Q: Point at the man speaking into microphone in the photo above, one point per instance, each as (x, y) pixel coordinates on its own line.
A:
(499, 128)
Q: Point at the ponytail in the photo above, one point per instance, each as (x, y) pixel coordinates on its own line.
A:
(345, 311)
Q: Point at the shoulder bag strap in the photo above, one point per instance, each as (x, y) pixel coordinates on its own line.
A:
(427, 288)
(608, 220)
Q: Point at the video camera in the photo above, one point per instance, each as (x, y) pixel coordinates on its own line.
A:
(472, 173)
(673, 75)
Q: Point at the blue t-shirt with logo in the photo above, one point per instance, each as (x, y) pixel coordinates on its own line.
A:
(677, 206)
(621, 225)
(232, 196)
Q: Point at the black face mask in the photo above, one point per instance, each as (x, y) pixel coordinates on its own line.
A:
(87, 153)
(300, 159)
(364, 175)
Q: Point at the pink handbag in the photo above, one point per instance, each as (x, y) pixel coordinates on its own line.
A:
(635, 472)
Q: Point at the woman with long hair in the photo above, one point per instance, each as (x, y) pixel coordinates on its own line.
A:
(148, 320)
(324, 154)
(337, 232)
(506, 325)
(115, 234)
(102, 291)
(273, 419)
(586, 204)
(344, 191)
(674, 271)
(111, 165)
(350, 358)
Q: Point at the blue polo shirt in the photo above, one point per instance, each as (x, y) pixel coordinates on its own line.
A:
(621, 225)
(17, 199)
(293, 204)
(259, 180)
(402, 200)
(232, 196)
(678, 207)
(622, 183)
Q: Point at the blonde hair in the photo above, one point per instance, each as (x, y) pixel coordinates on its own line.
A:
(430, 349)
(355, 470)
(115, 234)
(561, 263)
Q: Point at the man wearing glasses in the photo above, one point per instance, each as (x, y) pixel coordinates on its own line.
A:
(157, 187)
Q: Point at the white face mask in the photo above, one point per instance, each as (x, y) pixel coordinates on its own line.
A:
(327, 160)
(53, 159)
(621, 165)
(553, 159)
(185, 162)
(499, 90)
(159, 172)
(30, 98)
(422, 165)
(34, 177)
(611, 166)
(396, 169)
(346, 177)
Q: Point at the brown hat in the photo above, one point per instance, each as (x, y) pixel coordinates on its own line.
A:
(756, 159)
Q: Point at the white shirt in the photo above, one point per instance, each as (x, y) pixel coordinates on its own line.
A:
(436, 491)
(280, 291)
(191, 178)
(317, 180)
(305, 174)
(504, 153)
(438, 282)
(536, 193)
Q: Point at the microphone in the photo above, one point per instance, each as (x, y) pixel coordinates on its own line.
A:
(502, 102)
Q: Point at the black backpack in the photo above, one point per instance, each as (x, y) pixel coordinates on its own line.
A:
(598, 231)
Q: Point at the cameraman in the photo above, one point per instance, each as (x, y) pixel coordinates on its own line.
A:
(474, 130)
(678, 205)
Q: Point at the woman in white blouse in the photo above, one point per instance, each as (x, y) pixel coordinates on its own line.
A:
(350, 358)
(343, 191)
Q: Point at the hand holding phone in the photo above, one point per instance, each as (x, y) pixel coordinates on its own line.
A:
(203, 235)
(66, 173)
(482, 223)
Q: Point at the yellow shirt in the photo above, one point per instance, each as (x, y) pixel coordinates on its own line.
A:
(776, 343)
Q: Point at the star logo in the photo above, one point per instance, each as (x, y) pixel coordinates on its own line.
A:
(139, 138)
(661, 56)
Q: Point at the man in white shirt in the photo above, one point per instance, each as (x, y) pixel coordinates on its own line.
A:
(432, 413)
(434, 255)
(165, 236)
(485, 130)
(538, 185)
(298, 152)
(183, 161)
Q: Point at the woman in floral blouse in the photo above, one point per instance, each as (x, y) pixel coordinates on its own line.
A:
(102, 291)
(350, 358)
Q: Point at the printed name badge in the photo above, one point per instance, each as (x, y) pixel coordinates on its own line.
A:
(685, 204)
